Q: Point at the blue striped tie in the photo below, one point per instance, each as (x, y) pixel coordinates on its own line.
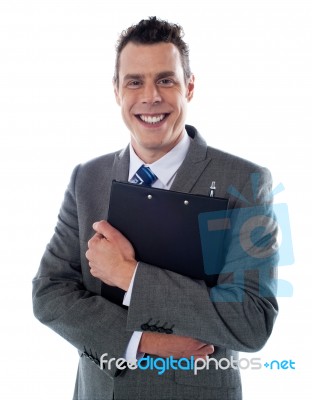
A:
(144, 176)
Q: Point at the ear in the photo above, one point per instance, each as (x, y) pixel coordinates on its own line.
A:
(116, 92)
(190, 88)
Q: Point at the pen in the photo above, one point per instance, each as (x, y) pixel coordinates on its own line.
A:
(212, 189)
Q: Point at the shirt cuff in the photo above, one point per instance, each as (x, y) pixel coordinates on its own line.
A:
(127, 296)
(132, 353)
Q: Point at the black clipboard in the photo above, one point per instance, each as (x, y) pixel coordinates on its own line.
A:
(166, 229)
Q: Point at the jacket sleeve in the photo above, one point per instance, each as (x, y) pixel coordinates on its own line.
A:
(238, 313)
(61, 301)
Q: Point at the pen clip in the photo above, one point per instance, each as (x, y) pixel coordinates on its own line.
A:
(212, 189)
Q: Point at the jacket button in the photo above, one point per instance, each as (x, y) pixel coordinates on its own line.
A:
(153, 328)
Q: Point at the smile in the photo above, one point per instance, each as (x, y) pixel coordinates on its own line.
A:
(152, 119)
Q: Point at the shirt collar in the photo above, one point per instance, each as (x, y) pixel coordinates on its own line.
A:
(167, 165)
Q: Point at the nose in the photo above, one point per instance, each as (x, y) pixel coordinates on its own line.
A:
(151, 94)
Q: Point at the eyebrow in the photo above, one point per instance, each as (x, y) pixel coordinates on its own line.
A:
(165, 74)
(160, 75)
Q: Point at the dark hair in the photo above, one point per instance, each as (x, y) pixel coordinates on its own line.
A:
(152, 31)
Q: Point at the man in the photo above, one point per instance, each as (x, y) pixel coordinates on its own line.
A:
(163, 313)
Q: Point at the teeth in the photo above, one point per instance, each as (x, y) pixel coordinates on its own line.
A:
(152, 120)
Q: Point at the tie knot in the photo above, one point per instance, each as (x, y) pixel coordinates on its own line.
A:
(144, 176)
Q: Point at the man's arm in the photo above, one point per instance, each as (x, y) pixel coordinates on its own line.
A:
(61, 300)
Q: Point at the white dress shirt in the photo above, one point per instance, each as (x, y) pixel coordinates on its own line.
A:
(165, 169)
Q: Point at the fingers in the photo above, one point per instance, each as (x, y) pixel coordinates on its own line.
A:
(208, 349)
(211, 349)
(201, 351)
(104, 228)
(92, 245)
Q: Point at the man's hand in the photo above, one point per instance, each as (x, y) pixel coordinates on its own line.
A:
(163, 345)
(111, 256)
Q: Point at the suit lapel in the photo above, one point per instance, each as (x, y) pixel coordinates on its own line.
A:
(194, 163)
(188, 174)
(121, 165)
(120, 171)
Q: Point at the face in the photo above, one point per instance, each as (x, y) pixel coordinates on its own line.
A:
(153, 97)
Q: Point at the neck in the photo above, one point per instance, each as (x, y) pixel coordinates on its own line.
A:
(150, 154)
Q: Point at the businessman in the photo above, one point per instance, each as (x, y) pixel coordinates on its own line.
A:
(163, 315)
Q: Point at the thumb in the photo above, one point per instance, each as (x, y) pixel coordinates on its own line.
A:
(102, 227)
(106, 230)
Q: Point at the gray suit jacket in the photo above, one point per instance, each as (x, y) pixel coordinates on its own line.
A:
(233, 315)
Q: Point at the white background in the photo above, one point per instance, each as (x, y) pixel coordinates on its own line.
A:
(252, 61)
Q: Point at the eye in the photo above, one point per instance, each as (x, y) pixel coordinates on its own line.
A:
(133, 84)
(166, 82)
